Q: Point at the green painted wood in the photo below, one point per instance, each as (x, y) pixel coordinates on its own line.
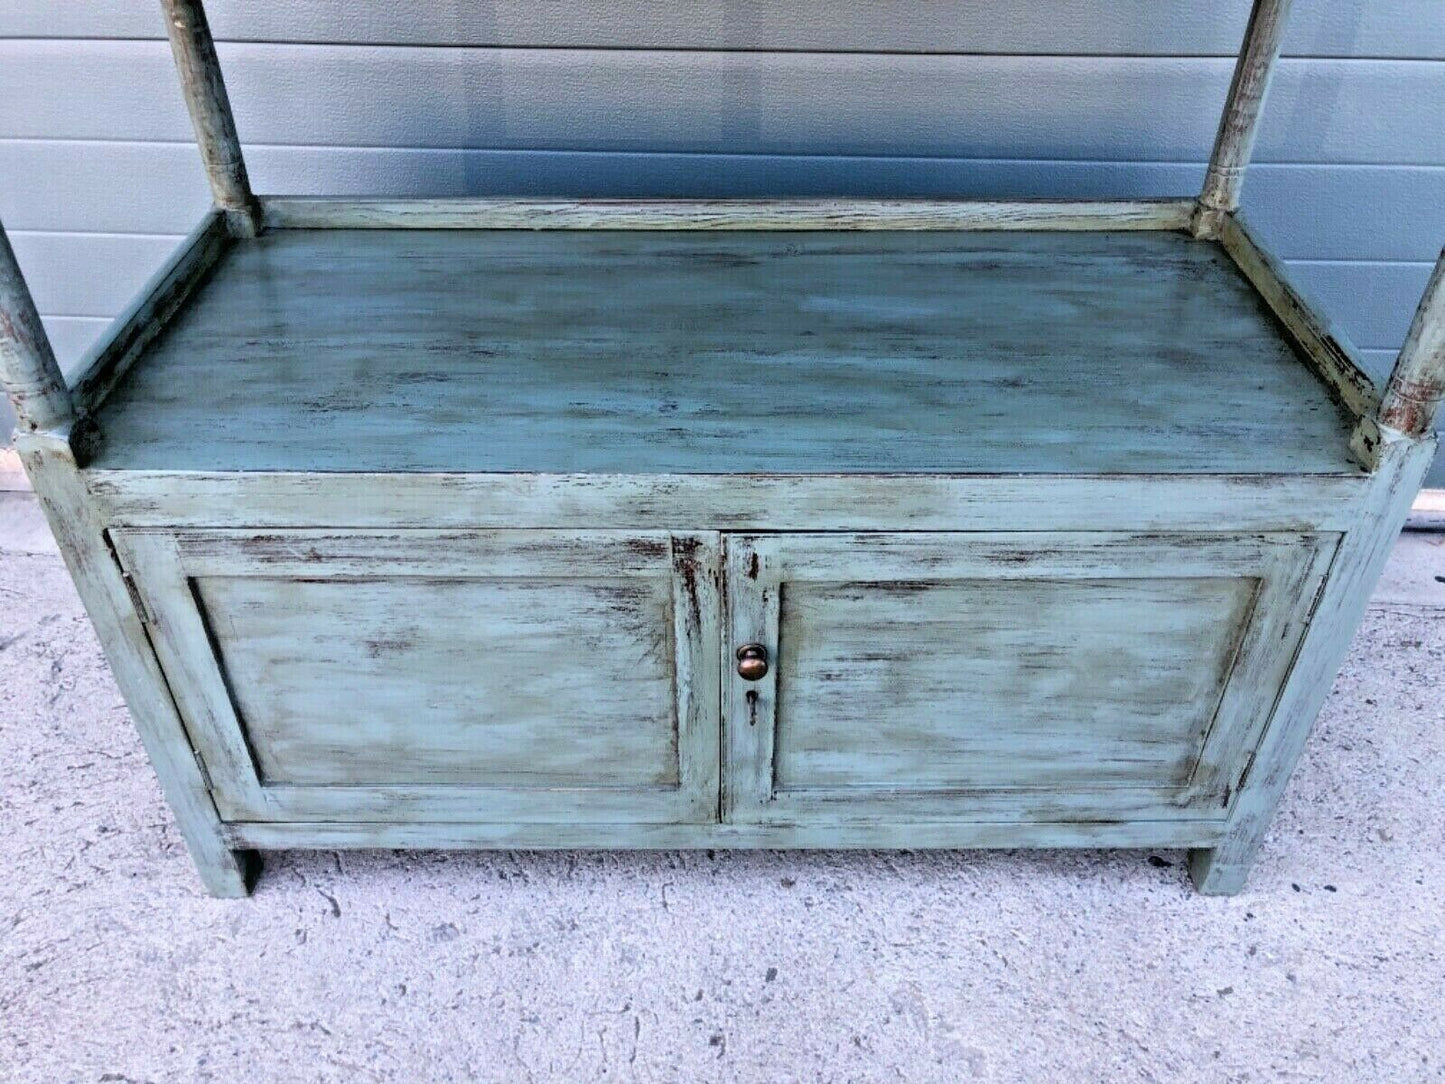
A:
(1340, 606)
(225, 868)
(473, 675)
(1136, 502)
(924, 676)
(737, 352)
(210, 108)
(29, 373)
(814, 836)
(1239, 123)
(1325, 346)
(146, 317)
(1417, 384)
(839, 213)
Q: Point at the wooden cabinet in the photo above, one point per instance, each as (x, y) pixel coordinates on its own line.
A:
(594, 677)
(1028, 536)
(751, 523)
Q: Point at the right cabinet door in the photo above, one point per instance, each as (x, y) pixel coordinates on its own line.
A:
(1004, 677)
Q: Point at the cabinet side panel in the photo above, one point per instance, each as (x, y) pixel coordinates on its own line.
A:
(80, 534)
(1358, 563)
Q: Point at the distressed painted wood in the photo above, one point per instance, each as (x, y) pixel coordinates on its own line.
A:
(28, 369)
(1417, 383)
(226, 869)
(1222, 869)
(210, 109)
(1242, 109)
(924, 676)
(251, 625)
(487, 675)
(159, 300)
(503, 602)
(1329, 351)
(931, 352)
(952, 835)
(307, 212)
(732, 502)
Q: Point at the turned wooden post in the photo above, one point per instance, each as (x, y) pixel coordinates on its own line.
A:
(1240, 121)
(205, 91)
(28, 367)
(1417, 383)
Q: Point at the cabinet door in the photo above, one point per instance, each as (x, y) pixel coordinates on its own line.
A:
(1005, 677)
(486, 676)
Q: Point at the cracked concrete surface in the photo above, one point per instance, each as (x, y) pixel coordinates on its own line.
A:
(1020, 966)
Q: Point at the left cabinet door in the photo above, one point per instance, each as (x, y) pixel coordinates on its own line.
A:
(461, 676)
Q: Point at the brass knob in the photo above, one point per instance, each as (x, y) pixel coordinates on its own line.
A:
(752, 662)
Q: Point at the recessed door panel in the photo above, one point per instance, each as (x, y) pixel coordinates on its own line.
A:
(513, 675)
(1030, 676)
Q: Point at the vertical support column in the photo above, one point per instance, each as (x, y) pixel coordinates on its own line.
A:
(1240, 122)
(28, 368)
(206, 98)
(1417, 383)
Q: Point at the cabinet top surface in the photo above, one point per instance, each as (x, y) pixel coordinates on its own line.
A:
(727, 352)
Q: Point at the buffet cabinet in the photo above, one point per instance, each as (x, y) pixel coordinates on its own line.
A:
(738, 523)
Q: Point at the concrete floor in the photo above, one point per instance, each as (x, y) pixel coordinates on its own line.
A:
(717, 966)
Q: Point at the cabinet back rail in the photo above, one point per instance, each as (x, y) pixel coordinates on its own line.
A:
(304, 212)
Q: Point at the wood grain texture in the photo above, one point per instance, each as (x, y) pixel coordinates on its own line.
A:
(1079, 688)
(210, 109)
(498, 675)
(561, 682)
(146, 317)
(1417, 383)
(226, 869)
(902, 352)
(1137, 502)
(952, 835)
(1329, 352)
(1239, 123)
(955, 685)
(921, 676)
(313, 212)
(1336, 615)
(28, 370)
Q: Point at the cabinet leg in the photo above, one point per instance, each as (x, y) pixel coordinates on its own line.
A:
(229, 875)
(1217, 872)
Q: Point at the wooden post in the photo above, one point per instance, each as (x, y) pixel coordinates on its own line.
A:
(1418, 382)
(28, 368)
(1240, 122)
(205, 91)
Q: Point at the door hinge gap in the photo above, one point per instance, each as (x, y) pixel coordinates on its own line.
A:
(135, 597)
